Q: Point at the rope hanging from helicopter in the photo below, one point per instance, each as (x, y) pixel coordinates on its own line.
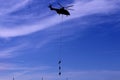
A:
(60, 47)
(63, 11)
(59, 40)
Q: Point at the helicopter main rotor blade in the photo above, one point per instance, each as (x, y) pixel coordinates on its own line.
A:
(71, 9)
(69, 6)
(60, 4)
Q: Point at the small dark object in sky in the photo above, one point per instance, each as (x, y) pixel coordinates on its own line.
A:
(13, 78)
(62, 10)
(59, 73)
(59, 68)
(59, 62)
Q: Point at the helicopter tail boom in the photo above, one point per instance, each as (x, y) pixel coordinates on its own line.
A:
(51, 8)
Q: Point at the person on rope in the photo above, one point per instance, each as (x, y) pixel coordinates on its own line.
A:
(59, 73)
(59, 62)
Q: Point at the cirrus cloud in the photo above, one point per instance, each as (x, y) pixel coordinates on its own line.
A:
(81, 9)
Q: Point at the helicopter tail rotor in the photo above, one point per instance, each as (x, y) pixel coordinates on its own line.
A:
(50, 6)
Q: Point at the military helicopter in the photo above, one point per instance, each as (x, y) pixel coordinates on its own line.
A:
(62, 10)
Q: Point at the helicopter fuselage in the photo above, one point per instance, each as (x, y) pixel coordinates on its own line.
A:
(60, 11)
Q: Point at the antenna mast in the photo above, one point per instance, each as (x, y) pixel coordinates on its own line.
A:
(13, 78)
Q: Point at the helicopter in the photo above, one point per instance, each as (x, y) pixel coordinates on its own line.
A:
(62, 10)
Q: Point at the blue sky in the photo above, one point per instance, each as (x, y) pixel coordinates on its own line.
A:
(30, 36)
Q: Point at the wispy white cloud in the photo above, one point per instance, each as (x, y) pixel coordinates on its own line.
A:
(19, 71)
(16, 67)
(11, 51)
(94, 6)
(11, 6)
(73, 75)
(81, 9)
